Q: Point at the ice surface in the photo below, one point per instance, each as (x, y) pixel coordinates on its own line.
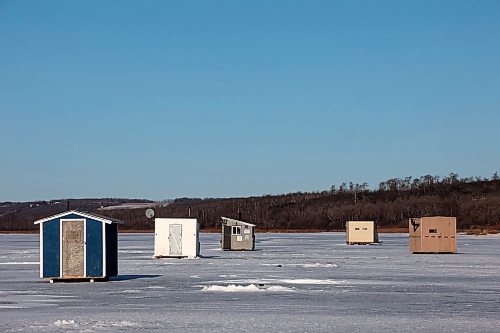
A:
(247, 288)
(292, 283)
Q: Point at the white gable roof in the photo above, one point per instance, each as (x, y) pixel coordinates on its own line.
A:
(227, 219)
(96, 217)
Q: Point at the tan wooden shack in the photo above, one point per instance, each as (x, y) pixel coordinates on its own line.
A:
(361, 232)
(237, 235)
(437, 234)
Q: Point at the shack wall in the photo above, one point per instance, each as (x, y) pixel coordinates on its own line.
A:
(361, 232)
(432, 235)
(111, 250)
(50, 261)
(94, 248)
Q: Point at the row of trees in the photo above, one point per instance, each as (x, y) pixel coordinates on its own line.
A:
(474, 201)
(429, 182)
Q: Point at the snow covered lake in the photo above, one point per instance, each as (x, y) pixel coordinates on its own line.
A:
(292, 283)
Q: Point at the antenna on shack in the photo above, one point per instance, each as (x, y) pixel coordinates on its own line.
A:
(150, 213)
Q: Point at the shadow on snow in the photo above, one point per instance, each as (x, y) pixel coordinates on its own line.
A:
(127, 277)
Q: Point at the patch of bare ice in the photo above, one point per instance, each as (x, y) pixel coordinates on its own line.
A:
(305, 281)
(307, 265)
(310, 281)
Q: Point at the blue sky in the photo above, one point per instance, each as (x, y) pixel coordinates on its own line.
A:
(164, 99)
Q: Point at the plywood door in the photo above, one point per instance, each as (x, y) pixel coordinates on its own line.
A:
(72, 249)
(175, 240)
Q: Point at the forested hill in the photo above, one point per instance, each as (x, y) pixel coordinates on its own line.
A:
(474, 201)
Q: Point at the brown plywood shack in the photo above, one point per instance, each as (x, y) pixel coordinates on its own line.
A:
(436, 234)
(361, 232)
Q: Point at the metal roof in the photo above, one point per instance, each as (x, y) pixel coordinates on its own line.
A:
(97, 217)
(226, 219)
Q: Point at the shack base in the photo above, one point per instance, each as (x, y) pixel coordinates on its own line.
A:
(174, 257)
(432, 252)
(79, 279)
(363, 243)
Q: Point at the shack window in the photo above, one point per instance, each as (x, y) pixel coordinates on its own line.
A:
(433, 231)
(236, 230)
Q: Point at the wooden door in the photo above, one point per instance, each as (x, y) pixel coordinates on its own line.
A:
(226, 241)
(175, 240)
(72, 249)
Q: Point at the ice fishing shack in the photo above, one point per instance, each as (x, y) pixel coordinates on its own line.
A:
(177, 238)
(436, 234)
(237, 235)
(361, 232)
(77, 245)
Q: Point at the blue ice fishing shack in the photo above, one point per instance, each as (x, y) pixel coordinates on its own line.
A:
(76, 245)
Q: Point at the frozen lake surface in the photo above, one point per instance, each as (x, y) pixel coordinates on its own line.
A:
(292, 283)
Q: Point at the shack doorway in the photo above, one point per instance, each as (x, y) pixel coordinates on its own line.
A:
(175, 240)
(226, 242)
(73, 249)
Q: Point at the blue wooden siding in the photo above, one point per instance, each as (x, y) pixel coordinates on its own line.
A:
(94, 248)
(111, 250)
(51, 248)
(72, 216)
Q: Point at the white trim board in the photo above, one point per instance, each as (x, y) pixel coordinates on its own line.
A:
(60, 249)
(104, 249)
(41, 251)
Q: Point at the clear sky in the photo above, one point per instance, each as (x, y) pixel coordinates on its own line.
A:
(164, 99)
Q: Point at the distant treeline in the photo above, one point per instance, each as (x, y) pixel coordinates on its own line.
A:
(475, 201)
(20, 215)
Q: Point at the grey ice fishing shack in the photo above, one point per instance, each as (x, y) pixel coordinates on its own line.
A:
(76, 245)
(237, 235)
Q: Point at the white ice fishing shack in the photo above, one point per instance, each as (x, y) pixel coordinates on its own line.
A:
(176, 238)
(76, 245)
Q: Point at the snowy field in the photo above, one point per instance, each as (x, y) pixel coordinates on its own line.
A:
(292, 283)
